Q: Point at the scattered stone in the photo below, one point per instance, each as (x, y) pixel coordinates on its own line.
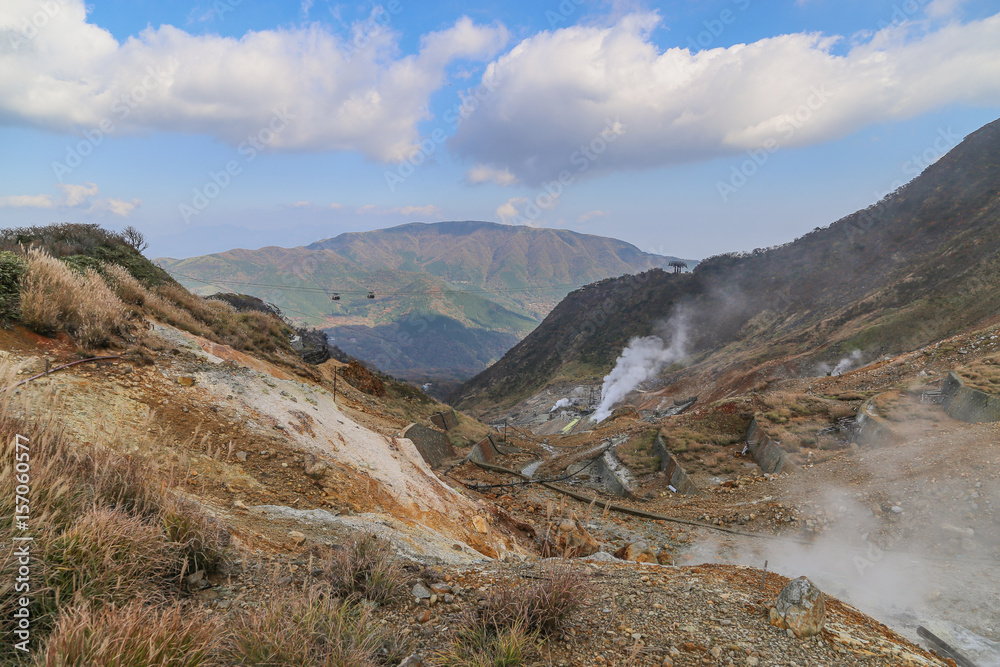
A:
(239, 504)
(664, 557)
(800, 608)
(241, 456)
(421, 592)
(423, 616)
(185, 381)
(313, 467)
(194, 578)
(298, 538)
(412, 661)
(441, 588)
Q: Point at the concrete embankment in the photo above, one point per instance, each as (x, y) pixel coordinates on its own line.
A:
(967, 404)
(434, 446)
(766, 451)
(872, 429)
(675, 473)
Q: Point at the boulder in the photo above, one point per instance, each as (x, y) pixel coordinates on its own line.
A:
(801, 608)
(640, 552)
(574, 540)
(313, 467)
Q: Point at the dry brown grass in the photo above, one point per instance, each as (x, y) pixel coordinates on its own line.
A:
(304, 629)
(135, 635)
(54, 297)
(128, 289)
(104, 525)
(983, 375)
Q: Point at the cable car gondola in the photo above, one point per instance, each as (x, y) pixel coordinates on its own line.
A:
(335, 297)
(371, 295)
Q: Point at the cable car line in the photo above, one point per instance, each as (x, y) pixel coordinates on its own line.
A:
(335, 295)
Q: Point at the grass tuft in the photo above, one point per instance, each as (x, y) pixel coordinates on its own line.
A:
(365, 570)
(304, 629)
(135, 635)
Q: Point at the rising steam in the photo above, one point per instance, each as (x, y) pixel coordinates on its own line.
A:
(641, 360)
(842, 366)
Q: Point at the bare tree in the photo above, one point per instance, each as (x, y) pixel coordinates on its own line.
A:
(135, 238)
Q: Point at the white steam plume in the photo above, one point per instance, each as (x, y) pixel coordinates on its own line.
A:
(561, 403)
(844, 365)
(642, 359)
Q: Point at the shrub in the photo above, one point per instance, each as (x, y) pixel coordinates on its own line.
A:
(304, 629)
(135, 635)
(365, 570)
(11, 271)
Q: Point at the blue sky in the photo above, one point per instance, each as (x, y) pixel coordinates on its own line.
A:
(686, 128)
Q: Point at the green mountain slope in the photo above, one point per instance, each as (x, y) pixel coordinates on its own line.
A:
(482, 286)
(906, 271)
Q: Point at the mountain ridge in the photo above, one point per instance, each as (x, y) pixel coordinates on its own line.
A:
(477, 283)
(906, 270)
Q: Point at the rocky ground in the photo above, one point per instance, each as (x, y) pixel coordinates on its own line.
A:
(907, 534)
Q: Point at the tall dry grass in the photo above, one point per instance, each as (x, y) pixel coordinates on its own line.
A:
(54, 297)
(106, 529)
(502, 629)
(310, 628)
(135, 635)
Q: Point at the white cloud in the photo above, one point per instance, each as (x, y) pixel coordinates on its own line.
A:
(306, 6)
(560, 88)
(942, 9)
(302, 204)
(428, 211)
(73, 197)
(117, 206)
(484, 174)
(590, 215)
(510, 209)
(71, 75)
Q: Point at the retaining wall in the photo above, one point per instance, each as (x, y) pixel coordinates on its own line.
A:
(487, 449)
(446, 420)
(615, 475)
(767, 452)
(675, 473)
(968, 405)
(433, 445)
(872, 429)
